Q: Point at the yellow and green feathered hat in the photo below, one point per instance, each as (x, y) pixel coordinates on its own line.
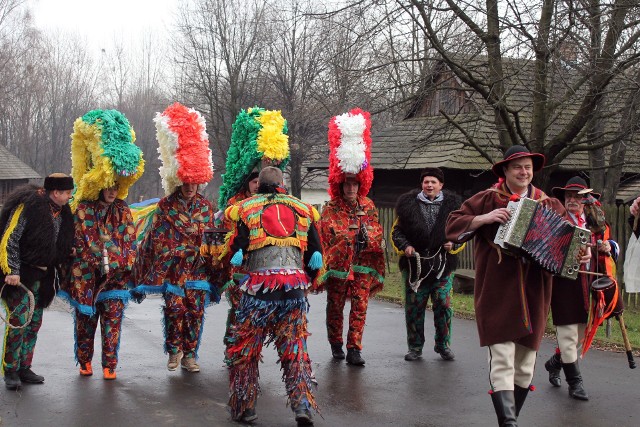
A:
(103, 154)
(259, 136)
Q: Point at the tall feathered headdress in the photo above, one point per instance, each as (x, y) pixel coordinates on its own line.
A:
(350, 151)
(184, 147)
(258, 135)
(103, 154)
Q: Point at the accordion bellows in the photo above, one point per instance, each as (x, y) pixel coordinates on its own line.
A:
(542, 235)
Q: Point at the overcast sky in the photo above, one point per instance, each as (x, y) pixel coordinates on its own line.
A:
(102, 21)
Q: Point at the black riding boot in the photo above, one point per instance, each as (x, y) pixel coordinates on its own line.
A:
(520, 394)
(505, 406)
(574, 379)
(553, 366)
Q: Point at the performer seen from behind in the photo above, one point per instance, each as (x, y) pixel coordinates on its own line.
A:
(276, 231)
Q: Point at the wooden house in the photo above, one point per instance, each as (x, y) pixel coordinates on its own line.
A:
(13, 173)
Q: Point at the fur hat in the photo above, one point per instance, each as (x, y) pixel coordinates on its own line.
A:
(517, 152)
(434, 172)
(103, 154)
(58, 181)
(259, 136)
(350, 151)
(183, 147)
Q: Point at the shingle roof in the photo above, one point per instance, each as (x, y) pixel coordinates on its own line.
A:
(12, 168)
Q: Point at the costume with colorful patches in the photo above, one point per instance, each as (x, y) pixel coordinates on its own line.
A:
(97, 291)
(277, 233)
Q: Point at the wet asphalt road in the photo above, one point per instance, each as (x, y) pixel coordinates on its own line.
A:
(388, 391)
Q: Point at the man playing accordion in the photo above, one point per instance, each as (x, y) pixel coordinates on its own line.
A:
(570, 298)
(512, 295)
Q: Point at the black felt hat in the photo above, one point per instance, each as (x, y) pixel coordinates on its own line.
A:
(574, 184)
(58, 181)
(518, 152)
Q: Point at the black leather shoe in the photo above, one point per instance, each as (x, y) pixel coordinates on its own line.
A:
(574, 380)
(303, 416)
(248, 416)
(354, 357)
(337, 352)
(12, 381)
(413, 355)
(28, 376)
(553, 366)
(447, 354)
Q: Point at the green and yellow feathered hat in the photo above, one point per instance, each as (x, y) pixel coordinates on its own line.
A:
(103, 154)
(259, 136)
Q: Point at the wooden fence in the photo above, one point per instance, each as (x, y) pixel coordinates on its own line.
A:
(617, 216)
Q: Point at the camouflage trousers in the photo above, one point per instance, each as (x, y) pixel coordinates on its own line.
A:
(439, 291)
(183, 320)
(19, 344)
(109, 313)
(338, 291)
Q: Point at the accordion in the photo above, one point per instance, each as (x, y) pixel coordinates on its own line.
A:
(540, 234)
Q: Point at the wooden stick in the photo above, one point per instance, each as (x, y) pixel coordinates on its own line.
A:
(627, 344)
(592, 273)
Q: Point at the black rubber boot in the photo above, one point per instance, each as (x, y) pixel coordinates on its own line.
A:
(520, 394)
(574, 379)
(12, 381)
(505, 407)
(28, 376)
(553, 366)
(303, 416)
(337, 352)
(354, 357)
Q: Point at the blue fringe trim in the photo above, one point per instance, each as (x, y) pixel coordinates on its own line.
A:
(315, 263)
(237, 258)
(122, 295)
(87, 310)
(261, 310)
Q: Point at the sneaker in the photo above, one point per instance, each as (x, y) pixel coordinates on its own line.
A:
(413, 355)
(12, 380)
(189, 363)
(85, 369)
(109, 374)
(303, 416)
(30, 377)
(446, 354)
(248, 416)
(337, 352)
(354, 357)
(174, 361)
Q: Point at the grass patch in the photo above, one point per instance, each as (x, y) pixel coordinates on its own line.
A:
(463, 307)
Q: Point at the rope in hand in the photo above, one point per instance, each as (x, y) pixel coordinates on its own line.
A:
(32, 306)
(416, 284)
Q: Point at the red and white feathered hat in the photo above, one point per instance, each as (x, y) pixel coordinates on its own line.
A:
(184, 147)
(350, 151)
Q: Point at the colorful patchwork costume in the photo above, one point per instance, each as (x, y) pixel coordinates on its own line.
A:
(351, 234)
(169, 260)
(259, 136)
(104, 233)
(278, 235)
(36, 239)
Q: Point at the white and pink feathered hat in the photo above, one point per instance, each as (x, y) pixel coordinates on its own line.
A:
(184, 147)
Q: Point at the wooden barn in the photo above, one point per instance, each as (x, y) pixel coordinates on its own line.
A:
(426, 137)
(13, 173)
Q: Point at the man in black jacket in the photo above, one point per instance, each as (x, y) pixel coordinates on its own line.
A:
(419, 234)
(36, 237)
